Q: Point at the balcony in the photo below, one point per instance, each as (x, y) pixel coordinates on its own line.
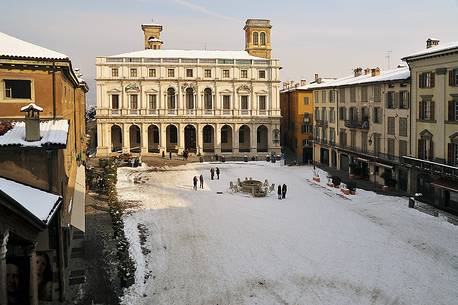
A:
(430, 166)
(245, 112)
(262, 112)
(190, 111)
(171, 111)
(321, 123)
(115, 112)
(133, 111)
(208, 112)
(357, 124)
(226, 112)
(152, 111)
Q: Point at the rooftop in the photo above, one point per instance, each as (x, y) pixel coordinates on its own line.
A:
(433, 50)
(14, 47)
(53, 132)
(42, 205)
(194, 54)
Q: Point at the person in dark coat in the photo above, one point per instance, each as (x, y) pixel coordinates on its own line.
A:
(283, 191)
(170, 155)
(201, 178)
(217, 173)
(279, 192)
(194, 182)
(212, 173)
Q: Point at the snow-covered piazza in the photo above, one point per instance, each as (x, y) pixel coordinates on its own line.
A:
(214, 246)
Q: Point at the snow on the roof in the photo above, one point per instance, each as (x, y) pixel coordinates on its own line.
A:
(204, 54)
(53, 132)
(153, 39)
(40, 203)
(11, 46)
(31, 106)
(151, 24)
(434, 49)
(388, 75)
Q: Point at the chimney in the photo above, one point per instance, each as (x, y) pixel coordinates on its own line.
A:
(316, 76)
(358, 71)
(375, 71)
(432, 42)
(367, 71)
(303, 82)
(32, 122)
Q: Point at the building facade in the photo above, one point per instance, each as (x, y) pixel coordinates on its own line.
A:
(40, 86)
(433, 162)
(362, 125)
(206, 102)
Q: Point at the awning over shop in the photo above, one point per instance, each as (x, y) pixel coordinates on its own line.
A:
(39, 205)
(446, 184)
(384, 165)
(79, 200)
(362, 159)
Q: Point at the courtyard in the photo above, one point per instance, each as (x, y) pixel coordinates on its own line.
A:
(214, 246)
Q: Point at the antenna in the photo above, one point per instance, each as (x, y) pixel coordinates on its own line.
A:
(388, 57)
(205, 46)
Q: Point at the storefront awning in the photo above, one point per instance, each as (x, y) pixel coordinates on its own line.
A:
(383, 165)
(78, 213)
(446, 184)
(362, 159)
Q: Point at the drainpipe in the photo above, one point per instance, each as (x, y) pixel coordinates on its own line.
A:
(50, 169)
(53, 90)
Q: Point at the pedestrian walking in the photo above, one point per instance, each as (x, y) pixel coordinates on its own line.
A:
(283, 191)
(201, 178)
(212, 173)
(194, 182)
(279, 192)
(170, 155)
(217, 173)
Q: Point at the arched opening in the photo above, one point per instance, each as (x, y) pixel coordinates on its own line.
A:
(261, 136)
(208, 100)
(116, 138)
(255, 38)
(135, 138)
(171, 98)
(172, 138)
(190, 138)
(153, 139)
(425, 187)
(226, 138)
(189, 98)
(208, 134)
(244, 139)
(263, 38)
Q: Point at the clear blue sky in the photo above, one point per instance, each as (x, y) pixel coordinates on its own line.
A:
(328, 37)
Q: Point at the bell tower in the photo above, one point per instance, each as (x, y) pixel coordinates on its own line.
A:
(152, 33)
(257, 38)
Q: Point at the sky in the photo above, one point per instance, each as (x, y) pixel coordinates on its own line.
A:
(327, 37)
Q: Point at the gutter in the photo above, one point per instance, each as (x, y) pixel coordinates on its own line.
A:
(54, 90)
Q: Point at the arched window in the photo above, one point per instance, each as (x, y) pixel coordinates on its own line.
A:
(263, 38)
(189, 98)
(208, 99)
(426, 146)
(171, 98)
(255, 38)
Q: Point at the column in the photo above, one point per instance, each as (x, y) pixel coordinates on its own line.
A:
(218, 138)
(33, 281)
(181, 137)
(3, 290)
(235, 138)
(144, 139)
(253, 140)
(100, 150)
(163, 137)
(125, 138)
(270, 128)
(106, 138)
(200, 138)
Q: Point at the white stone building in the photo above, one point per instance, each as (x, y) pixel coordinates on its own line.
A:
(207, 102)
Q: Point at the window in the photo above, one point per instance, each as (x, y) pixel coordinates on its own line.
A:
(244, 102)
(453, 110)
(244, 73)
(115, 101)
(332, 135)
(323, 96)
(226, 73)
(226, 102)
(133, 101)
(152, 101)
(324, 113)
(317, 113)
(342, 95)
(391, 147)
(262, 74)
(343, 138)
(173, 134)
(171, 98)
(208, 73)
(114, 72)
(402, 148)
(188, 72)
(453, 151)
(189, 98)
(208, 99)
(171, 72)
(377, 93)
(18, 88)
(342, 113)
(404, 100)
(306, 100)
(453, 77)
(377, 115)
(391, 125)
(352, 94)
(377, 138)
(353, 114)
(262, 102)
(403, 127)
(332, 115)
(426, 146)
(305, 128)
(208, 135)
(316, 96)
(242, 135)
(263, 38)
(133, 72)
(364, 141)
(426, 80)
(353, 139)
(255, 38)
(332, 96)
(152, 72)
(426, 110)
(364, 93)
(390, 100)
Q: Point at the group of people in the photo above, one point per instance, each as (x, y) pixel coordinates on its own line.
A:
(281, 191)
(201, 178)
